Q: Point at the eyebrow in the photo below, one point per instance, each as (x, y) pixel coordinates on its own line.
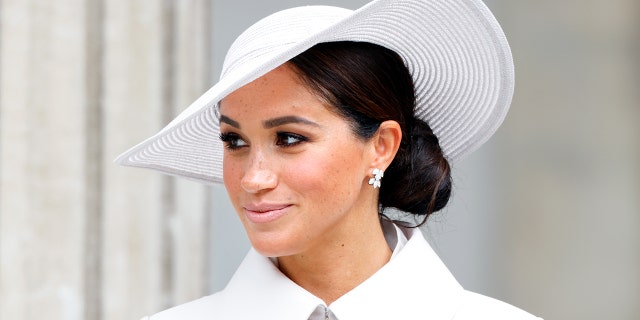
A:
(286, 120)
(271, 123)
(229, 121)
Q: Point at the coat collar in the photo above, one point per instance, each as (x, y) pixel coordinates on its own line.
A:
(415, 283)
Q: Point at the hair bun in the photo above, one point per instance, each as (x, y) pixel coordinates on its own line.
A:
(418, 181)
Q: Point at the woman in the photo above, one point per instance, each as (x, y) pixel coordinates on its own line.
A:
(326, 118)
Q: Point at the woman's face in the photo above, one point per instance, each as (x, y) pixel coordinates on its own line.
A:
(295, 172)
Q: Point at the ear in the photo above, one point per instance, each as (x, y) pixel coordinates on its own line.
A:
(385, 144)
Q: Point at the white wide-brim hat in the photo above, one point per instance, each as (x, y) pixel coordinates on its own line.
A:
(455, 50)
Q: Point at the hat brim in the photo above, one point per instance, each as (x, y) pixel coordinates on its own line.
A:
(455, 50)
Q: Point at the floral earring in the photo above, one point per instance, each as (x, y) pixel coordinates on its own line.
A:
(377, 175)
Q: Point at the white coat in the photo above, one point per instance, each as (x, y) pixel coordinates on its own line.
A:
(414, 284)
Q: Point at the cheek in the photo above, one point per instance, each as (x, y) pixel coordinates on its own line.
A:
(325, 172)
(231, 174)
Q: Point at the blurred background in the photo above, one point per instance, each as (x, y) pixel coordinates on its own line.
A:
(546, 216)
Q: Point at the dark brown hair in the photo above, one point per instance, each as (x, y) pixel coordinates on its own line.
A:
(369, 84)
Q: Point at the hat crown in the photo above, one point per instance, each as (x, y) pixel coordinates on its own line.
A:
(268, 37)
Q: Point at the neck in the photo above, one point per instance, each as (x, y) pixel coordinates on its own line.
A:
(340, 264)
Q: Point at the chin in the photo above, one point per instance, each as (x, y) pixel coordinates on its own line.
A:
(272, 247)
(270, 251)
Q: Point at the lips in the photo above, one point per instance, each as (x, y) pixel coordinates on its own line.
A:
(264, 213)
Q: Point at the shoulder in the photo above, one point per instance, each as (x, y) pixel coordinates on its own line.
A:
(199, 309)
(479, 307)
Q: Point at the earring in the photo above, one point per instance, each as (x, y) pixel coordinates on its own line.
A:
(377, 175)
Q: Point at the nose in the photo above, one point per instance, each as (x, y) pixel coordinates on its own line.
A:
(258, 177)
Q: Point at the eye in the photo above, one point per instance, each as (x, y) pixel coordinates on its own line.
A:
(287, 139)
(232, 141)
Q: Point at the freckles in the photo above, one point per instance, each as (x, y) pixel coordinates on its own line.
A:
(231, 175)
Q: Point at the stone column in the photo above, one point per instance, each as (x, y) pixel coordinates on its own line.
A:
(42, 159)
(81, 81)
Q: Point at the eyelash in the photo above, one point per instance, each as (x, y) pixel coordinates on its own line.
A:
(282, 136)
(231, 140)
